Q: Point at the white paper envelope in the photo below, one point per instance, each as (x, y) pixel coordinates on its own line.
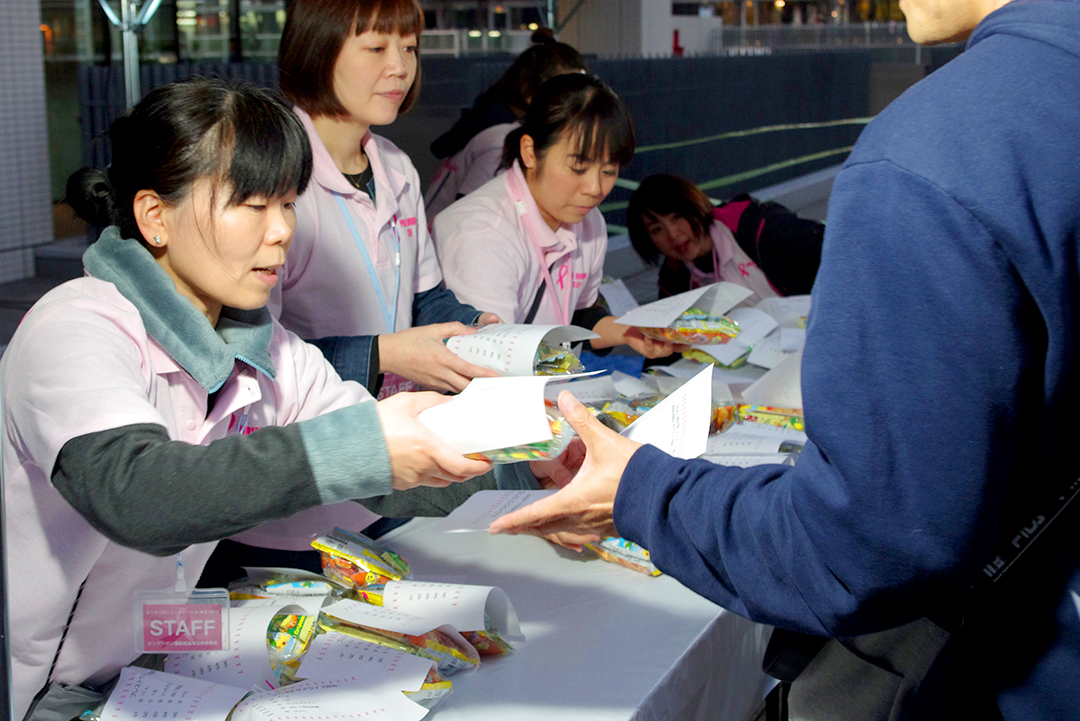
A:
(788, 311)
(247, 664)
(679, 424)
(344, 698)
(381, 669)
(781, 387)
(594, 391)
(461, 605)
(716, 299)
(143, 693)
(510, 350)
(492, 413)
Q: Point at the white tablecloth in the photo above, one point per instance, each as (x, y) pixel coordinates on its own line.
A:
(602, 642)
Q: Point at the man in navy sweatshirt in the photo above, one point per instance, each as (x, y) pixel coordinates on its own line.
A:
(941, 385)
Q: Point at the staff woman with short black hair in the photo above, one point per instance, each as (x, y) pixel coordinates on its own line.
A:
(529, 245)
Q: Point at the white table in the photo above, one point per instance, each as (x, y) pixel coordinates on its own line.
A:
(602, 642)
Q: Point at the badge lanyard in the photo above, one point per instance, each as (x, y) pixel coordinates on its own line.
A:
(562, 310)
(389, 310)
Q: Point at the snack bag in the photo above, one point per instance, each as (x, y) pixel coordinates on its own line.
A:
(696, 327)
(722, 417)
(280, 582)
(701, 356)
(556, 361)
(435, 645)
(355, 561)
(561, 433)
(434, 690)
(782, 417)
(287, 639)
(625, 553)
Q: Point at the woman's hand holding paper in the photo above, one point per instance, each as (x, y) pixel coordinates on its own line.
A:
(583, 507)
(421, 355)
(417, 456)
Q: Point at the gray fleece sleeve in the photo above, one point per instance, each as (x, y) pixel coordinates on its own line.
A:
(143, 490)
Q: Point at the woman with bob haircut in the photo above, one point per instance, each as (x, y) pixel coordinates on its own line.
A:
(761, 246)
(472, 150)
(529, 245)
(187, 412)
(363, 281)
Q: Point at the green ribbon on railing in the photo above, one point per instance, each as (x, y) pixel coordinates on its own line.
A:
(732, 179)
(752, 131)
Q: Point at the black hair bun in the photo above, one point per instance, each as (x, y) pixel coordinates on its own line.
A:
(543, 36)
(90, 195)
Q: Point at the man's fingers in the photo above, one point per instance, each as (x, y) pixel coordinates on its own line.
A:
(579, 417)
(528, 519)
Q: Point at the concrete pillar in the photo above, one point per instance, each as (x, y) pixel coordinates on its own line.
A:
(24, 147)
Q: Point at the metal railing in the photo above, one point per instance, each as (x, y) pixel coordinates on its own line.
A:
(860, 35)
(458, 42)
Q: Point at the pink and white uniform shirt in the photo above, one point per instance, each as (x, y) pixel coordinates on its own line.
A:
(326, 288)
(495, 250)
(82, 363)
(469, 168)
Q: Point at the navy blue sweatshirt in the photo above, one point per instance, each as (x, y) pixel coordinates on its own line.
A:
(941, 380)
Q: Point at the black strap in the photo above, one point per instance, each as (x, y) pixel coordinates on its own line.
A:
(59, 647)
(536, 302)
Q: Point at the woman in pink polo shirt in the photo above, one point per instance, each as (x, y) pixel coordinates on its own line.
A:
(155, 406)
(529, 245)
(362, 280)
(471, 151)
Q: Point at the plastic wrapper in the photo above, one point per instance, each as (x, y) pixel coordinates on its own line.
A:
(617, 415)
(356, 561)
(782, 417)
(696, 327)
(282, 583)
(561, 433)
(435, 645)
(433, 692)
(701, 356)
(556, 361)
(722, 418)
(487, 642)
(287, 639)
(625, 553)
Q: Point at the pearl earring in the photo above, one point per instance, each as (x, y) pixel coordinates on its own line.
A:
(157, 240)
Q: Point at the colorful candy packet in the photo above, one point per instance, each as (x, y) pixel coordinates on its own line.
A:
(782, 417)
(287, 639)
(696, 354)
(625, 553)
(696, 327)
(556, 361)
(433, 691)
(355, 561)
(435, 645)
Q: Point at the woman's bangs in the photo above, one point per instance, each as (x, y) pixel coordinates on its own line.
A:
(394, 17)
(271, 156)
(604, 140)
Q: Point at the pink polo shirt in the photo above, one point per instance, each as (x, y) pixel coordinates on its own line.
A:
(326, 289)
(489, 245)
(469, 168)
(111, 375)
